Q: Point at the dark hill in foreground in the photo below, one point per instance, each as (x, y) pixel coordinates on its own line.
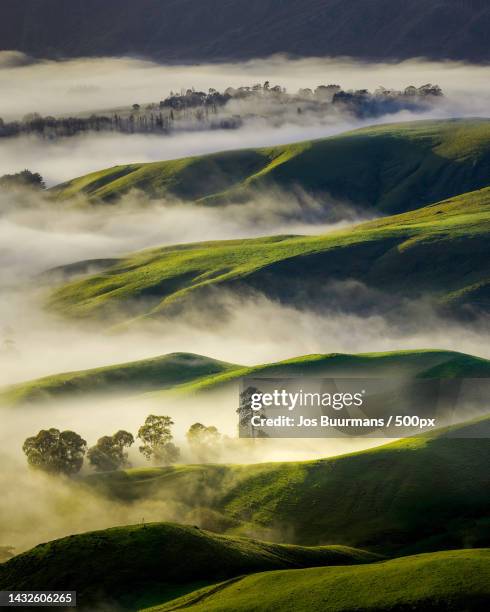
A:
(199, 30)
(455, 581)
(157, 561)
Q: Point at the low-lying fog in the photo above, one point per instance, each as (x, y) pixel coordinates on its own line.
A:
(63, 88)
(35, 237)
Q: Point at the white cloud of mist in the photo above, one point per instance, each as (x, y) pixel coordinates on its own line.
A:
(61, 160)
(78, 85)
(58, 88)
(35, 237)
(55, 234)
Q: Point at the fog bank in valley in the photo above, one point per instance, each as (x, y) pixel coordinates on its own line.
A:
(105, 84)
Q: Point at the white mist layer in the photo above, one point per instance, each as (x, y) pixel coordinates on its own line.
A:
(104, 84)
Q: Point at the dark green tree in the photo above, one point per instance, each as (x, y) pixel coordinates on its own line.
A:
(26, 178)
(110, 452)
(56, 452)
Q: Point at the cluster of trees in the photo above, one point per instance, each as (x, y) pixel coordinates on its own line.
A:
(147, 120)
(364, 104)
(26, 178)
(64, 452)
(191, 109)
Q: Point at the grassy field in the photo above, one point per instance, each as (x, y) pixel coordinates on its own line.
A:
(452, 581)
(191, 373)
(391, 168)
(138, 565)
(389, 256)
(419, 494)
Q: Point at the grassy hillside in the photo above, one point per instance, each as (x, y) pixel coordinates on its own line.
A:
(390, 169)
(440, 252)
(192, 373)
(454, 581)
(426, 493)
(420, 364)
(128, 378)
(196, 31)
(155, 562)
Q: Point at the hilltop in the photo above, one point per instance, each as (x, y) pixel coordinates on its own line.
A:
(160, 373)
(201, 30)
(191, 373)
(371, 267)
(384, 169)
(155, 562)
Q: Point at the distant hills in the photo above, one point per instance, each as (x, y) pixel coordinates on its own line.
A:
(435, 173)
(210, 30)
(191, 373)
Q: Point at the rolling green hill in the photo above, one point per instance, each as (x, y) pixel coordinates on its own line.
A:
(420, 494)
(141, 564)
(191, 373)
(440, 252)
(454, 581)
(389, 169)
(128, 378)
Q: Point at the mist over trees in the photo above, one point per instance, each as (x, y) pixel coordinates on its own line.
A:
(156, 435)
(26, 178)
(205, 442)
(191, 110)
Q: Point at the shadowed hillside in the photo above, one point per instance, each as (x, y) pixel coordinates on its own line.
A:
(441, 582)
(369, 268)
(192, 373)
(155, 562)
(384, 169)
(425, 493)
(198, 30)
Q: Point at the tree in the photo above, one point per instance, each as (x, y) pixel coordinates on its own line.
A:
(26, 178)
(109, 453)
(157, 437)
(56, 452)
(204, 441)
(246, 412)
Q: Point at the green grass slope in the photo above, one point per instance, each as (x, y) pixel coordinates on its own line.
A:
(141, 564)
(420, 364)
(391, 168)
(441, 252)
(426, 493)
(129, 378)
(455, 581)
(191, 373)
